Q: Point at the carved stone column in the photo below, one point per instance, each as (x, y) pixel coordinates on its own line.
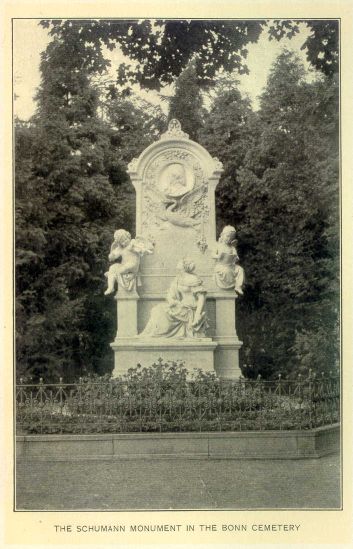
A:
(227, 353)
(126, 315)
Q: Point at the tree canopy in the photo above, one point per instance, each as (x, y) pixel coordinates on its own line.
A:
(161, 49)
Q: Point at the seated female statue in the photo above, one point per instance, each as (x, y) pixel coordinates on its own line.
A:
(183, 315)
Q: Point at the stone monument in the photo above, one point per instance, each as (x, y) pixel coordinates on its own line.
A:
(177, 286)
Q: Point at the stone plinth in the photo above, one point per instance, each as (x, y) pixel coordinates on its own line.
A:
(219, 352)
(127, 315)
(196, 353)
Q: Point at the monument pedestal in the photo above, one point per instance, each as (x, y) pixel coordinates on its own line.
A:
(130, 351)
(219, 353)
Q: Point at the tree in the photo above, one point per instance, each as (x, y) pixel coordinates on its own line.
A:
(322, 44)
(288, 217)
(31, 227)
(187, 105)
(70, 197)
(228, 132)
(279, 188)
(161, 49)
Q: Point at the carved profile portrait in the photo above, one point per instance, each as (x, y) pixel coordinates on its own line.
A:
(176, 180)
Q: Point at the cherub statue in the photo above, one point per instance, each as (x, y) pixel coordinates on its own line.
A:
(129, 251)
(228, 273)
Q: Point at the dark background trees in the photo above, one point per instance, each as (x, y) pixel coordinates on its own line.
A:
(292, 177)
(72, 191)
(279, 187)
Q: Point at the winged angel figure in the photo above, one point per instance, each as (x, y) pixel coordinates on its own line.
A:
(129, 251)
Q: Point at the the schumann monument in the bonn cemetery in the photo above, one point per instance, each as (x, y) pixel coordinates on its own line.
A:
(177, 285)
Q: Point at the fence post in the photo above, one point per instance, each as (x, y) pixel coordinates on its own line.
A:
(260, 383)
(80, 403)
(240, 389)
(310, 389)
(21, 391)
(280, 402)
(323, 400)
(300, 395)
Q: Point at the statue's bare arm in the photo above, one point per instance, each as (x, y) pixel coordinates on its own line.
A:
(201, 299)
(115, 254)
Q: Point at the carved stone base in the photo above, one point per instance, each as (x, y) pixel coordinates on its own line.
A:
(196, 353)
(220, 355)
(227, 357)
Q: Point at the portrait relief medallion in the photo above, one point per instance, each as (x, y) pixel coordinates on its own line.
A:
(175, 180)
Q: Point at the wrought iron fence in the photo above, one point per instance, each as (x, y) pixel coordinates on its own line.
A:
(115, 406)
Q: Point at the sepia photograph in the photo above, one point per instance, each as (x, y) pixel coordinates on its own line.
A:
(177, 237)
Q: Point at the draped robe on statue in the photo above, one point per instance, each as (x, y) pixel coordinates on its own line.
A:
(177, 317)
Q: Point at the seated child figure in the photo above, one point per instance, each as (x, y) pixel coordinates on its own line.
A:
(228, 273)
(129, 251)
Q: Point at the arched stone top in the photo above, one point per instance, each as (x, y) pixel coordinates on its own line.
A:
(175, 180)
(175, 138)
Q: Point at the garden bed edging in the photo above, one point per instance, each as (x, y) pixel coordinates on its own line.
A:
(294, 444)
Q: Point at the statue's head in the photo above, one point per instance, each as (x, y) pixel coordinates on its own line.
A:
(228, 234)
(177, 174)
(122, 238)
(186, 265)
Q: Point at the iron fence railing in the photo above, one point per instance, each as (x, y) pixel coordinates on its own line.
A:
(101, 406)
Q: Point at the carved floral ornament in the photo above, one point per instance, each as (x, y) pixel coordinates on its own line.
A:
(174, 181)
(169, 157)
(174, 131)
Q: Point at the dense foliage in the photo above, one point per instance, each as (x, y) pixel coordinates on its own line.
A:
(228, 132)
(159, 50)
(72, 192)
(279, 188)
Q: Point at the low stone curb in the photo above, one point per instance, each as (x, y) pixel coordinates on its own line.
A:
(315, 443)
